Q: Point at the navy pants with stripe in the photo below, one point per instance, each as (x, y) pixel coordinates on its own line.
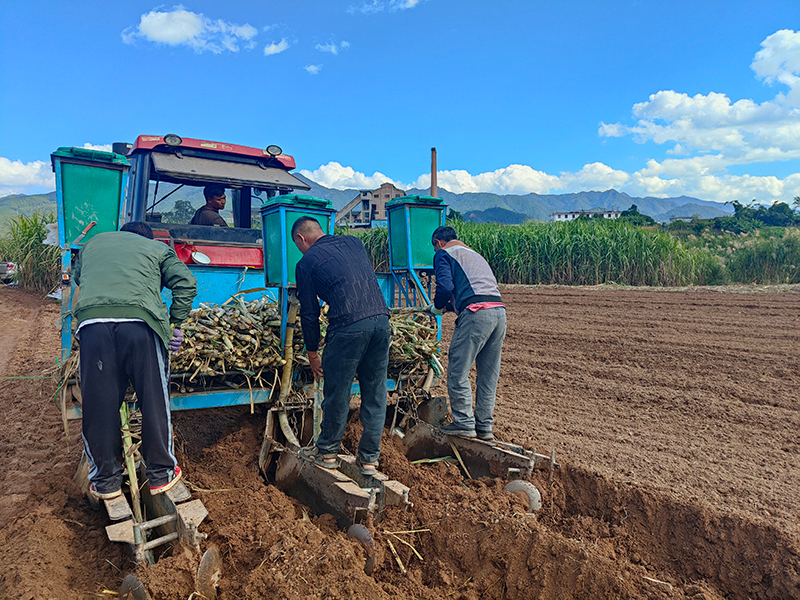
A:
(112, 355)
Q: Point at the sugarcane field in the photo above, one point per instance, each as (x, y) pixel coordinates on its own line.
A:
(672, 414)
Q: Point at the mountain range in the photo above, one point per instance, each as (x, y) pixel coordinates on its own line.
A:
(479, 207)
(514, 208)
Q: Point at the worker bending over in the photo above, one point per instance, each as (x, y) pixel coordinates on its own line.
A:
(124, 330)
(337, 270)
(466, 285)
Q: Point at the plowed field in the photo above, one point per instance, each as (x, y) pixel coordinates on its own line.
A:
(674, 414)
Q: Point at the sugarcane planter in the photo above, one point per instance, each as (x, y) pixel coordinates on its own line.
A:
(243, 344)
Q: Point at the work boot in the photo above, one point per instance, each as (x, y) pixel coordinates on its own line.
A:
(486, 436)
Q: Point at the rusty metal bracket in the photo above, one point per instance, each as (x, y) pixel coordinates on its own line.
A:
(482, 458)
(344, 493)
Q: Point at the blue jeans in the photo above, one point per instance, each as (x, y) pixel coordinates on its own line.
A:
(362, 349)
(477, 338)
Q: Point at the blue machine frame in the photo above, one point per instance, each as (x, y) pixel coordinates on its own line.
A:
(217, 284)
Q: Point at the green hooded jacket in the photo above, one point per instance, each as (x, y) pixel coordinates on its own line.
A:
(121, 275)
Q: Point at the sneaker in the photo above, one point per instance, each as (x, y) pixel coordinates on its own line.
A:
(453, 429)
(160, 489)
(104, 495)
(486, 436)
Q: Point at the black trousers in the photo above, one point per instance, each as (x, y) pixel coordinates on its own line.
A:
(362, 349)
(113, 354)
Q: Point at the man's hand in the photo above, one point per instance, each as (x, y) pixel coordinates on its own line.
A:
(175, 341)
(316, 363)
(434, 311)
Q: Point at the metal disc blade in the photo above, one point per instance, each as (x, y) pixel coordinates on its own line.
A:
(209, 573)
(133, 589)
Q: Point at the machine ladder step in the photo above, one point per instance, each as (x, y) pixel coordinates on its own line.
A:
(118, 509)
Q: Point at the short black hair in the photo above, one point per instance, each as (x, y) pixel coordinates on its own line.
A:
(305, 225)
(212, 190)
(139, 228)
(444, 233)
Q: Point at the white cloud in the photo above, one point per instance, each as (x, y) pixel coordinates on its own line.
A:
(710, 133)
(678, 150)
(332, 47)
(741, 132)
(710, 122)
(179, 27)
(522, 179)
(369, 7)
(313, 69)
(17, 177)
(333, 175)
(514, 179)
(595, 176)
(274, 48)
(100, 147)
(779, 60)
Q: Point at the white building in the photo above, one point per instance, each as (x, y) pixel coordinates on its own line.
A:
(572, 215)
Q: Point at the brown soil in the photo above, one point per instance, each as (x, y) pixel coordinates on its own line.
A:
(673, 413)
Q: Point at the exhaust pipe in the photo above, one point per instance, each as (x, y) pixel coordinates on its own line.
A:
(434, 183)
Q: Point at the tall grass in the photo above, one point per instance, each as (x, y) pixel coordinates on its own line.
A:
(587, 252)
(38, 265)
(376, 243)
(766, 259)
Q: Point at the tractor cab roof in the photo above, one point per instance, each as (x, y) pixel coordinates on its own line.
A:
(188, 161)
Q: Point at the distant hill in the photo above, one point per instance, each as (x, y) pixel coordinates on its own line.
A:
(541, 206)
(691, 209)
(495, 215)
(21, 204)
(486, 207)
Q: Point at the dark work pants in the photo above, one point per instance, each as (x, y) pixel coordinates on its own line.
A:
(360, 349)
(113, 354)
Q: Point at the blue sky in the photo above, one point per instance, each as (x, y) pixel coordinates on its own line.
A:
(653, 98)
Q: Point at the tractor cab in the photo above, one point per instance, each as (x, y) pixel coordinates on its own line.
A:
(165, 188)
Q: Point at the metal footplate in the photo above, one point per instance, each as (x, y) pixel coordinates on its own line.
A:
(178, 521)
(480, 458)
(344, 493)
(389, 491)
(118, 509)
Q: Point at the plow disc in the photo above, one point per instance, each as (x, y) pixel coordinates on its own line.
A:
(133, 589)
(209, 574)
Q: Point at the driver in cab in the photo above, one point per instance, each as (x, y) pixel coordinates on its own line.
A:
(215, 202)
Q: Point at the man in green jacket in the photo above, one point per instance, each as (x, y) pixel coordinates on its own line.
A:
(124, 330)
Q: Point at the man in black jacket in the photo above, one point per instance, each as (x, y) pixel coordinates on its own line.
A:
(338, 271)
